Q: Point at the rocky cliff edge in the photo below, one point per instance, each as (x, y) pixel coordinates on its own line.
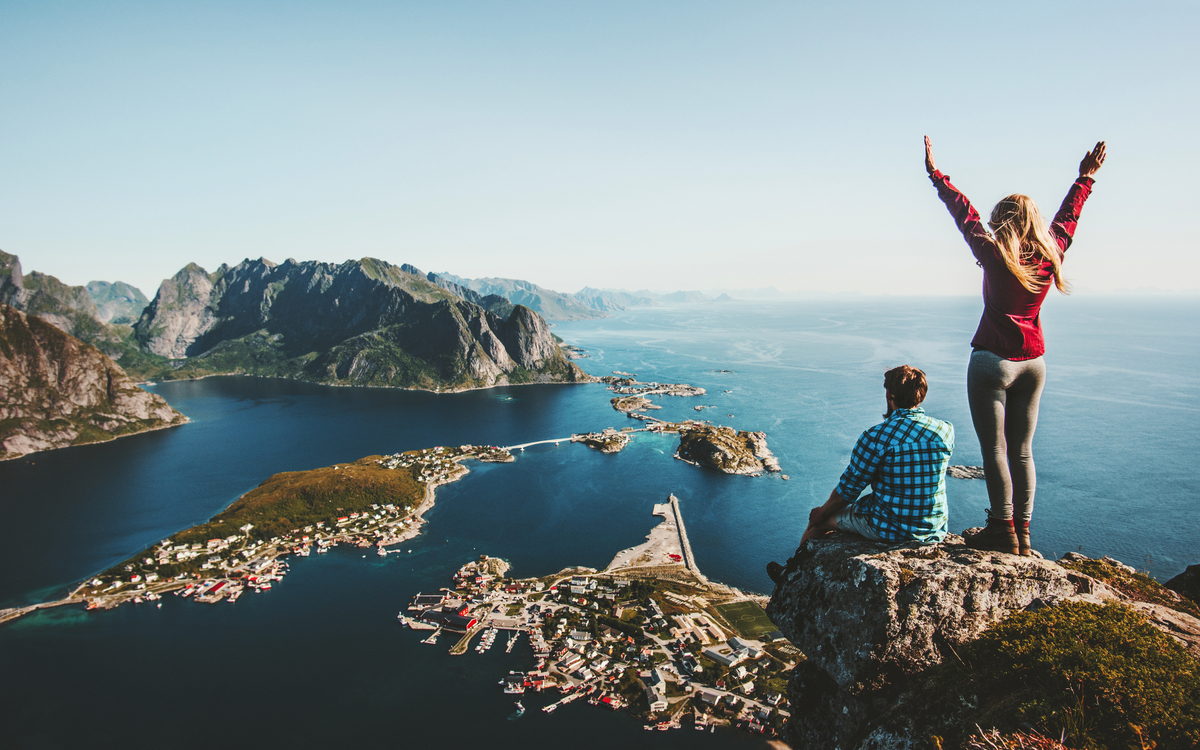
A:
(873, 618)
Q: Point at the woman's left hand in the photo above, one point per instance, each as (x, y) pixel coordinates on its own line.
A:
(930, 167)
(1091, 162)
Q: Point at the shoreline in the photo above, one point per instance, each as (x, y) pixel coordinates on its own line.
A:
(591, 379)
(17, 457)
(412, 524)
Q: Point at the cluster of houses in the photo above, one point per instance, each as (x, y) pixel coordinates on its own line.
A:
(239, 558)
(601, 637)
(440, 463)
(606, 441)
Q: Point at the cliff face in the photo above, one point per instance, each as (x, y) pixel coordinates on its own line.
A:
(59, 391)
(362, 322)
(874, 619)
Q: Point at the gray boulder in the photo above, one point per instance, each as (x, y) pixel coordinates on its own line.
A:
(870, 616)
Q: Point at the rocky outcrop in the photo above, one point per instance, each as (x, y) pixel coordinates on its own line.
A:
(59, 391)
(363, 322)
(871, 618)
(965, 472)
(726, 449)
(1187, 583)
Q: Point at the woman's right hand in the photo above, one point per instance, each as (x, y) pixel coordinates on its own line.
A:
(930, 167)
(1091, 162)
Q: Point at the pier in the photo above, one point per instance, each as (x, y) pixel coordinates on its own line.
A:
(688, 559)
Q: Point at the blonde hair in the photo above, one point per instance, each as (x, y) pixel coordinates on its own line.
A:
(1022, 238)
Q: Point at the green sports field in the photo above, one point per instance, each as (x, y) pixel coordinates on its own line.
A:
(749, 618)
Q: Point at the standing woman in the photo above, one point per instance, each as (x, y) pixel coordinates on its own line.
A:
(1020, 258)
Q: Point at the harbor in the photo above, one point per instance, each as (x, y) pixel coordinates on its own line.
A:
(649, 634)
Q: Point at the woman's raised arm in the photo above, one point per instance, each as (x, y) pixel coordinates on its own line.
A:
(965, 215)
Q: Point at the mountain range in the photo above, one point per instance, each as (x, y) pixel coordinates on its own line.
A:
(363, 322)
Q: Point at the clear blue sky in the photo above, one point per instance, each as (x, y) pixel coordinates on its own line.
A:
(665, 145)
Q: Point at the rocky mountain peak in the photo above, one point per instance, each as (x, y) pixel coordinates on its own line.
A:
(364, 321)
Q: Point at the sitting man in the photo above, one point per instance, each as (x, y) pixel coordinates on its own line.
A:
(904, 459)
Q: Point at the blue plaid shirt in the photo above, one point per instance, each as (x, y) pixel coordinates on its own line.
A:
(904, 459)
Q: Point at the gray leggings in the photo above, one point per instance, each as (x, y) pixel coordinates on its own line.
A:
(1004, 397)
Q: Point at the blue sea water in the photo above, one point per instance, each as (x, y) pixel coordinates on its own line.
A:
(320, 658)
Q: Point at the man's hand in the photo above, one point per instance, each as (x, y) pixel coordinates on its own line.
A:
(821, 519)
(815, 530)
(1091, 162)
(930, 167)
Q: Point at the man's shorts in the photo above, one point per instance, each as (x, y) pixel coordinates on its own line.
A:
(848, 519)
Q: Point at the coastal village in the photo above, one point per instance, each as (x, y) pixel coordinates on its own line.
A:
(221, 561)
(649, 634)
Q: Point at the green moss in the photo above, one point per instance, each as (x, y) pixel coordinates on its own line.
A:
(1100, 674)
(1137, 586)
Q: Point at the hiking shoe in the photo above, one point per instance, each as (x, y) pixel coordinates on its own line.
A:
(775, 571)
(998, 536)
(1022, 529)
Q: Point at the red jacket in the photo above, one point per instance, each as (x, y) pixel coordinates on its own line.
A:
(1010, 327)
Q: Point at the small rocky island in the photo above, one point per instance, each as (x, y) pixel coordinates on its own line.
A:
(629, 404)
(607, 441)
(726, 449)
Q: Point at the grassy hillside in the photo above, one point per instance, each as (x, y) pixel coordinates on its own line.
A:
(295, 499)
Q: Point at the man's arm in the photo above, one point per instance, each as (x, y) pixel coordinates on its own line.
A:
(821, 520)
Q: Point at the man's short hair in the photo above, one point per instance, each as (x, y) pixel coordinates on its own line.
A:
(907, 386)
